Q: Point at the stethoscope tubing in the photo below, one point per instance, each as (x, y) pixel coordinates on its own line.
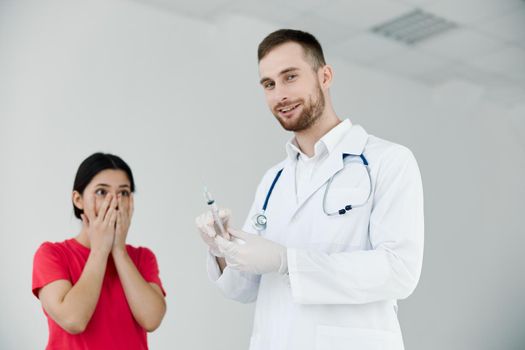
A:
(260, 220)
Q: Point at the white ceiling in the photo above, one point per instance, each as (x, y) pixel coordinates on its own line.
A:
(487, 48)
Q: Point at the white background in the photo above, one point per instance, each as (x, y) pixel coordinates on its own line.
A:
(179, 100)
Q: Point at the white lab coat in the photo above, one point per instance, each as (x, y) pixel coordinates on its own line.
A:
(346, 272)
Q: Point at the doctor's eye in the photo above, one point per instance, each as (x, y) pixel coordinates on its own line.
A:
(291, 77)
(101, 192)
(268, 85)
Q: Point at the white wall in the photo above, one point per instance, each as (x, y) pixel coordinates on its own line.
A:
(178, 99)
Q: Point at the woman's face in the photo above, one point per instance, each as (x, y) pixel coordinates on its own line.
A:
(107, 181)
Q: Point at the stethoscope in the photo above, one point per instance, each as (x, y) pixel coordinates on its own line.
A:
(260, 220)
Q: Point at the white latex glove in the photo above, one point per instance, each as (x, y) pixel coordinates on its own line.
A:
(253, 253)
(208, 231)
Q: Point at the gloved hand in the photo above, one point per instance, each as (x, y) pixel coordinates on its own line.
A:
(253, 253)
(207, 230)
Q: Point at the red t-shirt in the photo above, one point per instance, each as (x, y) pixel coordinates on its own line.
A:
(112, 325)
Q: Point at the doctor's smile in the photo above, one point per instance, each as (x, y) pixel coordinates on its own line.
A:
(288, 108)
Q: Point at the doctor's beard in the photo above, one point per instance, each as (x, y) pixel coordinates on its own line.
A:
(309, 115)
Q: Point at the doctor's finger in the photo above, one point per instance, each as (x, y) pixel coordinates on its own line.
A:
(226, 247)
(208, 219)
(225, 214)
(202, 219)
(239, 234)
(203, 227)
(210, 230)
(199, 221)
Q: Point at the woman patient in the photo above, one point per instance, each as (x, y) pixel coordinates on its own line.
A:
(97, 291)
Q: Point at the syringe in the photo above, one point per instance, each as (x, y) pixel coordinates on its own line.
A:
(215, 212)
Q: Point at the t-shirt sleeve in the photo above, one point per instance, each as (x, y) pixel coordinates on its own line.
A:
(48, 266)
(149, 268)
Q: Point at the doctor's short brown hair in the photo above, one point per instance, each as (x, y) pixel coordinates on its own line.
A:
(312, 48)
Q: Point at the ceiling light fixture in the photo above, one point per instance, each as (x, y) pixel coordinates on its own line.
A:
(414, 27)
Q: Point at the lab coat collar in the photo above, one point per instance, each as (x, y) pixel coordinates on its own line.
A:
(352, 142)
(325, 145)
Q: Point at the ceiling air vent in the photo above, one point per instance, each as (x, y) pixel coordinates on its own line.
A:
(414, 27)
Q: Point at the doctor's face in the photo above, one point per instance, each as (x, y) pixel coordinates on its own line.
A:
(291, 87)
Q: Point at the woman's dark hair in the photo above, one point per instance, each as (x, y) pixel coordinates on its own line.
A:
(93, 165)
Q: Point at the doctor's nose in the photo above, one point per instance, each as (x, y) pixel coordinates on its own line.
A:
(279, 96)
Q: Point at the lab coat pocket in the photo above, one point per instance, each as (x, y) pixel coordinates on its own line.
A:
(345, 338)
(339, 197)
(336, 233)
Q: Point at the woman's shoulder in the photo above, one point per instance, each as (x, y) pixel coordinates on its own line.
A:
(49, 253)
(64, 248)
(139, 251)
(48, 247)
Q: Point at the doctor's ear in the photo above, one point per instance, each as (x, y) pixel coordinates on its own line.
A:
(325, 75)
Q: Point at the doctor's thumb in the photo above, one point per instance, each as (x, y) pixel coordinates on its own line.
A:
(225, 214)
(223, 244)
(237, 233)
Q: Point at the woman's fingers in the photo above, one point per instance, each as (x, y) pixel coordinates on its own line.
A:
(103, 210)
(131, 205)
(120, 204)
(109, 211)
(118, 223)
(112, 216)
(125, 209)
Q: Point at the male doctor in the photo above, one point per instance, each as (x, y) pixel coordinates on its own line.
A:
(335, 234)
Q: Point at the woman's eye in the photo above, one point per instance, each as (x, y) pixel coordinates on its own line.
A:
(125, 193)
(101, 192)
(291, 77)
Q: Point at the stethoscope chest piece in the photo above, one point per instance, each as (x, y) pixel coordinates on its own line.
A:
(259, 221)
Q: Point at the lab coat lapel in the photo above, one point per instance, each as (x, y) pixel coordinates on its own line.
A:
(332, 165)
(352, 143)
(286, 192)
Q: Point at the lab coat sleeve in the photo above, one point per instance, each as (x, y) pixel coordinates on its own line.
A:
(391, 269)
(238, 285)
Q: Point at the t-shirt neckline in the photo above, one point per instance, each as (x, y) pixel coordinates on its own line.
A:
(78, 245)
